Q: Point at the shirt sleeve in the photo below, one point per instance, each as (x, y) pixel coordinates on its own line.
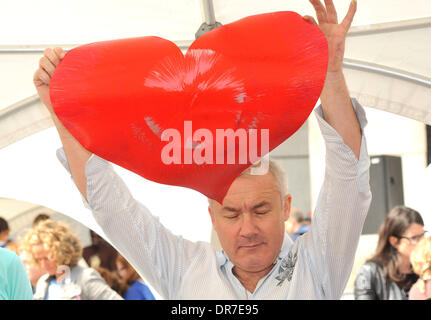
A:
(158, 255)
(342, 206)
(364, 287)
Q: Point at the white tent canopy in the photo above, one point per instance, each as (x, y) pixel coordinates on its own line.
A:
(387, 56)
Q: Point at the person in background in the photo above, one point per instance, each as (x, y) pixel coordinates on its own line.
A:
(5, 242)
(39, 218)
(57, 250)
(296, 225)
(388, 274)
(137, 289)
(34, 272)
(113, 280)
(4, 233)
(421, 262)
(307, 219)
(100, 253)
(43, 217)
(14, 283)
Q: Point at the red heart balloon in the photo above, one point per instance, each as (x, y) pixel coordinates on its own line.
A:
(132, 101)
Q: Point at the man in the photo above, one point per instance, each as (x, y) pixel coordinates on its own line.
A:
(295, 225)
(258, 261)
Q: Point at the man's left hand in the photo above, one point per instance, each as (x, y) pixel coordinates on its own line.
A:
(335, 33)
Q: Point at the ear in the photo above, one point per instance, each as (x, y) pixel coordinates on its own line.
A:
(287, 206)
(394, 241)
(4, 234)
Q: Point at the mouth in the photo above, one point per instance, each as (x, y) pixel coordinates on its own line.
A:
(250, 246)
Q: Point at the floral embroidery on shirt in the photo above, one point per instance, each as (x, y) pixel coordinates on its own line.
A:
(287, 267)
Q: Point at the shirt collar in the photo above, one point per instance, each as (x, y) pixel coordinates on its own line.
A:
(285, 247)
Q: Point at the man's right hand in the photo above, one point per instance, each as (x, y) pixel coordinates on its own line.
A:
(42, 77)
(76, 155)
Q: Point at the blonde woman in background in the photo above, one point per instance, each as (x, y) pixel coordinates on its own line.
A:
(57, 251)
(34, 272)
(421, 262)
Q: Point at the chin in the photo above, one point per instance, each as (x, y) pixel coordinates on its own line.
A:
(256, 264)
(256, 267)
(255, 259)
(51, 272)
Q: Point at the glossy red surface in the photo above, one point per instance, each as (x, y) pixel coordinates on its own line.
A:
(261, 72)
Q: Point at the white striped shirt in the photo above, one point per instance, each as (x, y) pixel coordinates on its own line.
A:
(316, 266)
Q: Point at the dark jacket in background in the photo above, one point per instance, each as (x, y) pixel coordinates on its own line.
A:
(370, 284)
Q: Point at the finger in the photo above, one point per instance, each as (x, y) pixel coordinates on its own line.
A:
(47, 65)
(311, 20)
(60, 52)
(52, 56)
(347, 21)
(331, 11)
(320, 11)
(41, 77)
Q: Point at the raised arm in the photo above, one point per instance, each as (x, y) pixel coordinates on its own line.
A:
(76, 155)
(336, 103)
(158, 255)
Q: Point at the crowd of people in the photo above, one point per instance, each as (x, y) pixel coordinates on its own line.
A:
(48, 264)
(400, 267)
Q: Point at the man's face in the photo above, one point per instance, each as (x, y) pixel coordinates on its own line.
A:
(250, 222)
(44, 259)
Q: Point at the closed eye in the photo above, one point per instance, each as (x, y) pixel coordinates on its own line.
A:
(230, 213)
(232, 216)
(262, 208)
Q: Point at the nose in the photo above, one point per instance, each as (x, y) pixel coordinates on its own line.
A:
(248, 226)
(44, 264)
